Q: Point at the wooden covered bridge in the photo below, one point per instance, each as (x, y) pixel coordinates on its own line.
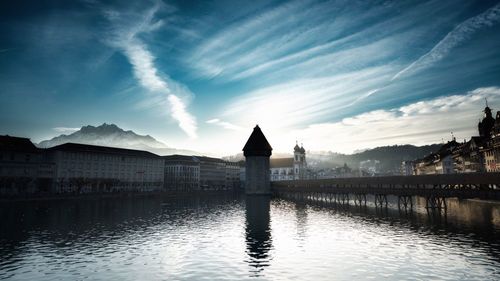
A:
(434, 188)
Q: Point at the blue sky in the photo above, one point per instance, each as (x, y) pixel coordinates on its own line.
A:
(335, 75)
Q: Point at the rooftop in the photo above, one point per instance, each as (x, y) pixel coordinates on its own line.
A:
(177, 157)
(281, 162)
(257, 144)
(17, 144)
(78, 147)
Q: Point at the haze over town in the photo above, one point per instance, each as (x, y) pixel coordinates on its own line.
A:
(200, 75)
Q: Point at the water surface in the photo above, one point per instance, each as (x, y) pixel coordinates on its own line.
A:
(228, 237)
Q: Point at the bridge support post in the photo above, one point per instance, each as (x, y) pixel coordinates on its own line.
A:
(405, 202)
(435, 203)
(380, 200)
(342, 199)
(360, 199)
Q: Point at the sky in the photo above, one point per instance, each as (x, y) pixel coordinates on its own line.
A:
(334, 75)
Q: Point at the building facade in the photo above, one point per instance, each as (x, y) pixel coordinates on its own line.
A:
(468, 157)
(407, 168)
(479, 154)
(440, 162)
(282, 169)
(233, 170)
(213, 173)
(182, 173)
(191, 173)
(82, 168)
(491, 152)
(292, 168)
(24, 168)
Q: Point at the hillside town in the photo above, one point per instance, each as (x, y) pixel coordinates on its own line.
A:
(480, 153)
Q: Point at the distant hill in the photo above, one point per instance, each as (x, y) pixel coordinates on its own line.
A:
(390, 157)
(112, 135)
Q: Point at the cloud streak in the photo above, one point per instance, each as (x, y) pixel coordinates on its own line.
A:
(415, 123)
(224, 124)
(65, 129)
(459, 34)
(304, 101)
(144, 68)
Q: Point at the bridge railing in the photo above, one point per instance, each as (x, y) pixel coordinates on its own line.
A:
(467, 181)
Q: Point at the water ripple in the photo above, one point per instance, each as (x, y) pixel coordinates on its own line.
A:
(229, 238)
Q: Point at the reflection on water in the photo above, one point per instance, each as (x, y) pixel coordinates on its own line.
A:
(258, 232)
(229, 237)
(301, 216)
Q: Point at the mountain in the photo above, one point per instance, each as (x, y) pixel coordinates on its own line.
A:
(112, 135)
(389, 157)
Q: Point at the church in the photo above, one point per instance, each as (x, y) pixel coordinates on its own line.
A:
(293, 168)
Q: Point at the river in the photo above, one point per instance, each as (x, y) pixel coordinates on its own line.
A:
(230, 237)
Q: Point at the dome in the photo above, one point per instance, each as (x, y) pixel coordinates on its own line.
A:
(296, 148)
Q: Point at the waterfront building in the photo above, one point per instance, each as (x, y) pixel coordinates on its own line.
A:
(336, 172)
(82, 168)
(440, 162)
(468, 157)
(217, 174)
(282, 169)
(491, 152)
(212, 173)
(189, 173)
(291, 168)
(182, 173)
(257, 151)
(407, 168)
(479, 154)
(24, 168)
(233, 170)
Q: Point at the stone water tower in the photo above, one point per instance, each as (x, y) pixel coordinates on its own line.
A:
(257, 173)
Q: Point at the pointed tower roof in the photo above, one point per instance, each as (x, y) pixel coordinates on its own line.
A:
(257, 144)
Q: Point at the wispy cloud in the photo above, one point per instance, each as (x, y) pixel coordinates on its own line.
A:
(179, 113)
(418, 123)
(224, 124)
(65, 129)
(301, 102)
(127, 40)
(307, 38)
(459, 34)
(324, 68)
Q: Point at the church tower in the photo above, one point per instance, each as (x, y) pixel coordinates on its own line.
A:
(485, 126)
(299, 162)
